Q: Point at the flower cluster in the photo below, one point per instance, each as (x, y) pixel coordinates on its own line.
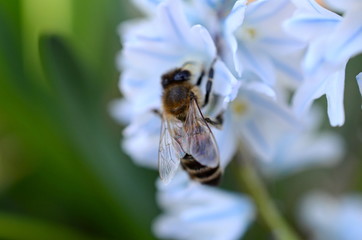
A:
(262, 52)
(331, 40)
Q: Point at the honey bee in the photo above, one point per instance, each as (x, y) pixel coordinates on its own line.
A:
(186, 137)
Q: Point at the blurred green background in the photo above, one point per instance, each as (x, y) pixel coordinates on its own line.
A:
(62, 172)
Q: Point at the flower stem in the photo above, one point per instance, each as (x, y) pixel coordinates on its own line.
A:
(266, 207)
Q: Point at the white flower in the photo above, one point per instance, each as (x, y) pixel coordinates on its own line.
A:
(303, 147)
(332, 218)
(256, 115)
(345, 41)
(194, 211)
(259, 44)
(282, 143)
(249, 36)
(164, 41)
(168, 39)
(331, 41)
(252, 54)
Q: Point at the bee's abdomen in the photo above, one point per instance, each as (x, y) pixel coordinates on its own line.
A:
(198, 172)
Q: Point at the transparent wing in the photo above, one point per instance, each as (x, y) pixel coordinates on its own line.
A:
(170, 151)
(201, 143)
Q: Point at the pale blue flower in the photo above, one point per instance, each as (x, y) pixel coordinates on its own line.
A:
(270, 132)
(257, 116)
(168, 38)
(303, 147)
(219, 17)
(142, 137)
(164, 41)
(259, 44)
(331, 40)
(151, 47)
(345, 41)
(254, 56)
(159, 44)
(249, 36)
(195, 212)
(332, 218)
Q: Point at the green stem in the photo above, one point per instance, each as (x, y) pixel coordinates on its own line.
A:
(18, 227)
(265, 205)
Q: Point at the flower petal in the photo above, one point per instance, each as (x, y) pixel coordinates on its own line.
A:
(173, 21)
(325, 148)
(346, 41)
(359, 82)
(256, 62)
(225, 84)
(262, 116)
(335, 93)
(262, 10)
(311, 89)
(342, 6)
(203, 42)
(194, 211)
(226, 139)
(332, 218)
(313, 7)
(143, 131)
(307, 26)
(232, 22)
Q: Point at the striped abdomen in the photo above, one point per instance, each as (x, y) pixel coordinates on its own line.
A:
(198, 172)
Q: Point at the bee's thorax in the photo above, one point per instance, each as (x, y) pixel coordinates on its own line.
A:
(176, 99)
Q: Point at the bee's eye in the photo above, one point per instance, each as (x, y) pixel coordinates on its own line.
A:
(183, 75)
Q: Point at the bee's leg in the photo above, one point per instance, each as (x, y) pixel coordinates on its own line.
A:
(210, 78)
(208, 86)
(217, 122)
(199, 80)
(157, 112)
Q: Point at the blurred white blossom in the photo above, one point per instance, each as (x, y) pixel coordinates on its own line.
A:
(258, 47)
(194, 212)
(304, 147)
(152, 47)
(331, 40)
(256, 113)
(345, 41)
(332, 218)
(167, 39)
(261, 47)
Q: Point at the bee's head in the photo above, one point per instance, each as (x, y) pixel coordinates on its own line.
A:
(177, 75)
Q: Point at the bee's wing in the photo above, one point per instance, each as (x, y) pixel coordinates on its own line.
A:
(201, 143)
(170, 150)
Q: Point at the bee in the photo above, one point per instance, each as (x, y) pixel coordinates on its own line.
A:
(186, 137)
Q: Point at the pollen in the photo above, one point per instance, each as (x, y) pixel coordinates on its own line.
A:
(239, 107)
(247, 33)
(251, 32)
